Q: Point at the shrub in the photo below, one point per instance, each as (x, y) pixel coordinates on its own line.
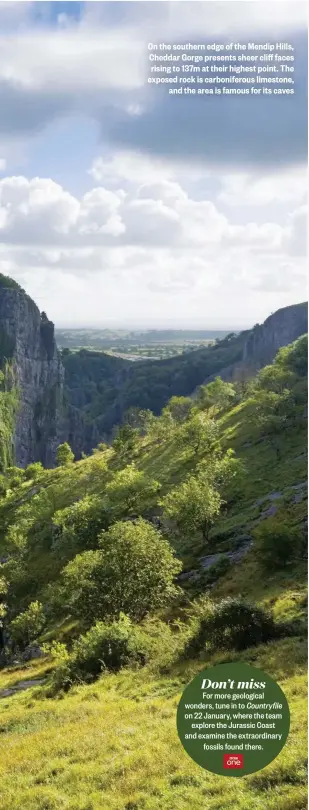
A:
(26, 627)
(33, 471)
(104, 647)
(231, 623)
(15, 482)
(277, 543)
(15, 476)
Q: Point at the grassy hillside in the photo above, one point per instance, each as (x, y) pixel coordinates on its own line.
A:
(112, 744)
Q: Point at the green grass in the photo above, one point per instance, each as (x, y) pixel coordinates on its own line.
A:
(114, 745)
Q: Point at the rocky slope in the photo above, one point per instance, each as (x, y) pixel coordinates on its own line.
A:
(27, 341)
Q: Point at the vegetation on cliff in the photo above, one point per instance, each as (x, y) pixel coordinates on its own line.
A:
(9, 400)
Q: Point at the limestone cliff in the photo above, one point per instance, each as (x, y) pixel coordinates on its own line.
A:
(262, 343)
(281, 328)
(27, 341)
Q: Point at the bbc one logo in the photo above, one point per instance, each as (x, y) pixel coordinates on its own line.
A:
(233, 760)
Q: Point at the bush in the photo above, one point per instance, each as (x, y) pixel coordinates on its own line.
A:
(104, 647)
(15, 482)
(15, 476)
(277, 544)
(26, 627)
(232, 624)
(33, 471)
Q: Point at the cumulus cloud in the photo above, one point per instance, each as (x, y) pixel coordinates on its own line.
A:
(154, 237)
(260, 190)
(41, 212)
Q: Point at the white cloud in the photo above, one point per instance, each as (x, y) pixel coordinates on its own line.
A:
(2, 164)
(148, 253)
(296, 236)
(163, 214)
(240, 189)
(72, 61)
(134, 167)
(33, 209)
(163, 19)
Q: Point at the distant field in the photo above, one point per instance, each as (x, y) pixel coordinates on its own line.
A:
(149, 345)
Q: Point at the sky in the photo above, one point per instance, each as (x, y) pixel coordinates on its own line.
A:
(122, 206)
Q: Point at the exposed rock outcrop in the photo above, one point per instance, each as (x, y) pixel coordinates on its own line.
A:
(264, 341)
(28, 343)
(280, 329)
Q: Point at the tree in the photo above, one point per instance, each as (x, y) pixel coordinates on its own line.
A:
(132, 572)
(163, 426)
(220, 469)
(193, 506)
(126, 439)
(218, 394)
(77, 527)
(271, 415)
(200, 433)
(65, 455)
(130, 491)
(179, 408)
(139, 419)
(295, 356)
(101, 448)
(276, 378)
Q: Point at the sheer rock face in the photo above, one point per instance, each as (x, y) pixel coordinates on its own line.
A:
(39, 376)
(264, 341)
(280, 329)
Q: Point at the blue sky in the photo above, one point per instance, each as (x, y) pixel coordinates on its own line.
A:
(121, 205)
